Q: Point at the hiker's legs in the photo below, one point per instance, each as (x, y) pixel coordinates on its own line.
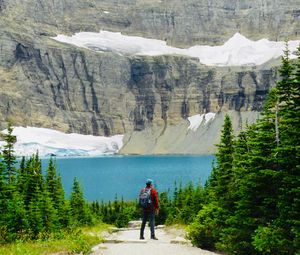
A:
(145, 216)
(152, 223)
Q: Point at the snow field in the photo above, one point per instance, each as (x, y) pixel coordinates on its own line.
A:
(51, 142)
(198, 119)
(237, 51)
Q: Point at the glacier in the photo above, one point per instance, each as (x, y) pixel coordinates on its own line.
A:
(50, 142)
(237, 51)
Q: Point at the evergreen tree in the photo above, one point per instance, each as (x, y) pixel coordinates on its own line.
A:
(56, 193)
(258, 181)
(51, 178)
(8, 156)
(164, 207)
(61, 205)
(35, 215)
(221, 177)
(207, 228)
(266, 174)
(3, 198)
(49, 213)
(288, 153)
(285, 85)
(34, 181)
(21, 177)
(80, 212)
(16, 218)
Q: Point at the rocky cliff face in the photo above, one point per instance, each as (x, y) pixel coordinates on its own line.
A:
(179, 22)
(48, 84)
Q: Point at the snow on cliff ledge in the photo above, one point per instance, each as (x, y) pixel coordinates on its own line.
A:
(237, 51)
(50, 142)
(198, 119)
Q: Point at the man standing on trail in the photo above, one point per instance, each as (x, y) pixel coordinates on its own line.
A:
(148, 200)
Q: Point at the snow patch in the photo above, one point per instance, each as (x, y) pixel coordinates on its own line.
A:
(209, 116)
(237, 51)
(51, 142)
(198, 119)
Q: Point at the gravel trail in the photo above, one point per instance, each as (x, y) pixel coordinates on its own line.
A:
(126, 242)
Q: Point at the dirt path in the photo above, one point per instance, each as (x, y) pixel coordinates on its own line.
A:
(126, 242)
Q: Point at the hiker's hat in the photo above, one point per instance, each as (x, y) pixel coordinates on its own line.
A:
(149, 181)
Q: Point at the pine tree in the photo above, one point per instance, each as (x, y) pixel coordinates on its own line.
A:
(266, 174)
(35, 215)
(209, 223)
(285, 85)
(80, 212)
(77, 202)
(3, 197)
(49, 213)
(256, 174)
(56, 193)
(61, 205)
(51, 178)
(9, 158)
(164, 206)
(199, 198)
(282, 234)
(21, 178)
(221, 176)
(34, 182)
(289, 162)
(16, 218)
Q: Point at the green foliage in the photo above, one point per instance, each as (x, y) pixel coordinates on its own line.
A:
(54, 187)
(118, 213)
(8, 156)
(179, 208)
(165, 209)
(255, 185)
(205, 229)
(33, 206)
(220, 182)
(249, 206)
(66, 241)
(35, 219)
(184, 205)
(271, 240)
(16, 218)
(79, 209)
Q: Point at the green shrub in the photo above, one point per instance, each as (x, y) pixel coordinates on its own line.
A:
(205, 230)
(270, 240)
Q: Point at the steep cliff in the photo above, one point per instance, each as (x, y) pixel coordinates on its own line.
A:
(49, 84)
(180, 22)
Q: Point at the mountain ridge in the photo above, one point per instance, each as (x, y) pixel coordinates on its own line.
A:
(53, 85)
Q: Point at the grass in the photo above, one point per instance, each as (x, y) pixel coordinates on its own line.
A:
(79, 241)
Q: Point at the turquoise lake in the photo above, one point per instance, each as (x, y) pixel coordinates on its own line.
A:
(103, 177)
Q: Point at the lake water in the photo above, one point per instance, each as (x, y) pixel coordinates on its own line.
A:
(103, 177)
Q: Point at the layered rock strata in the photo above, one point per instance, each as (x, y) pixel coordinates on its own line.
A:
(49, 84)
(70, 89)
(179, 22)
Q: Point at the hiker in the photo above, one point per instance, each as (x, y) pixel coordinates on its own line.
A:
(148, 200)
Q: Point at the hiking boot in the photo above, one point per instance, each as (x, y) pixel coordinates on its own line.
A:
(154, 237)
(142, 238)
